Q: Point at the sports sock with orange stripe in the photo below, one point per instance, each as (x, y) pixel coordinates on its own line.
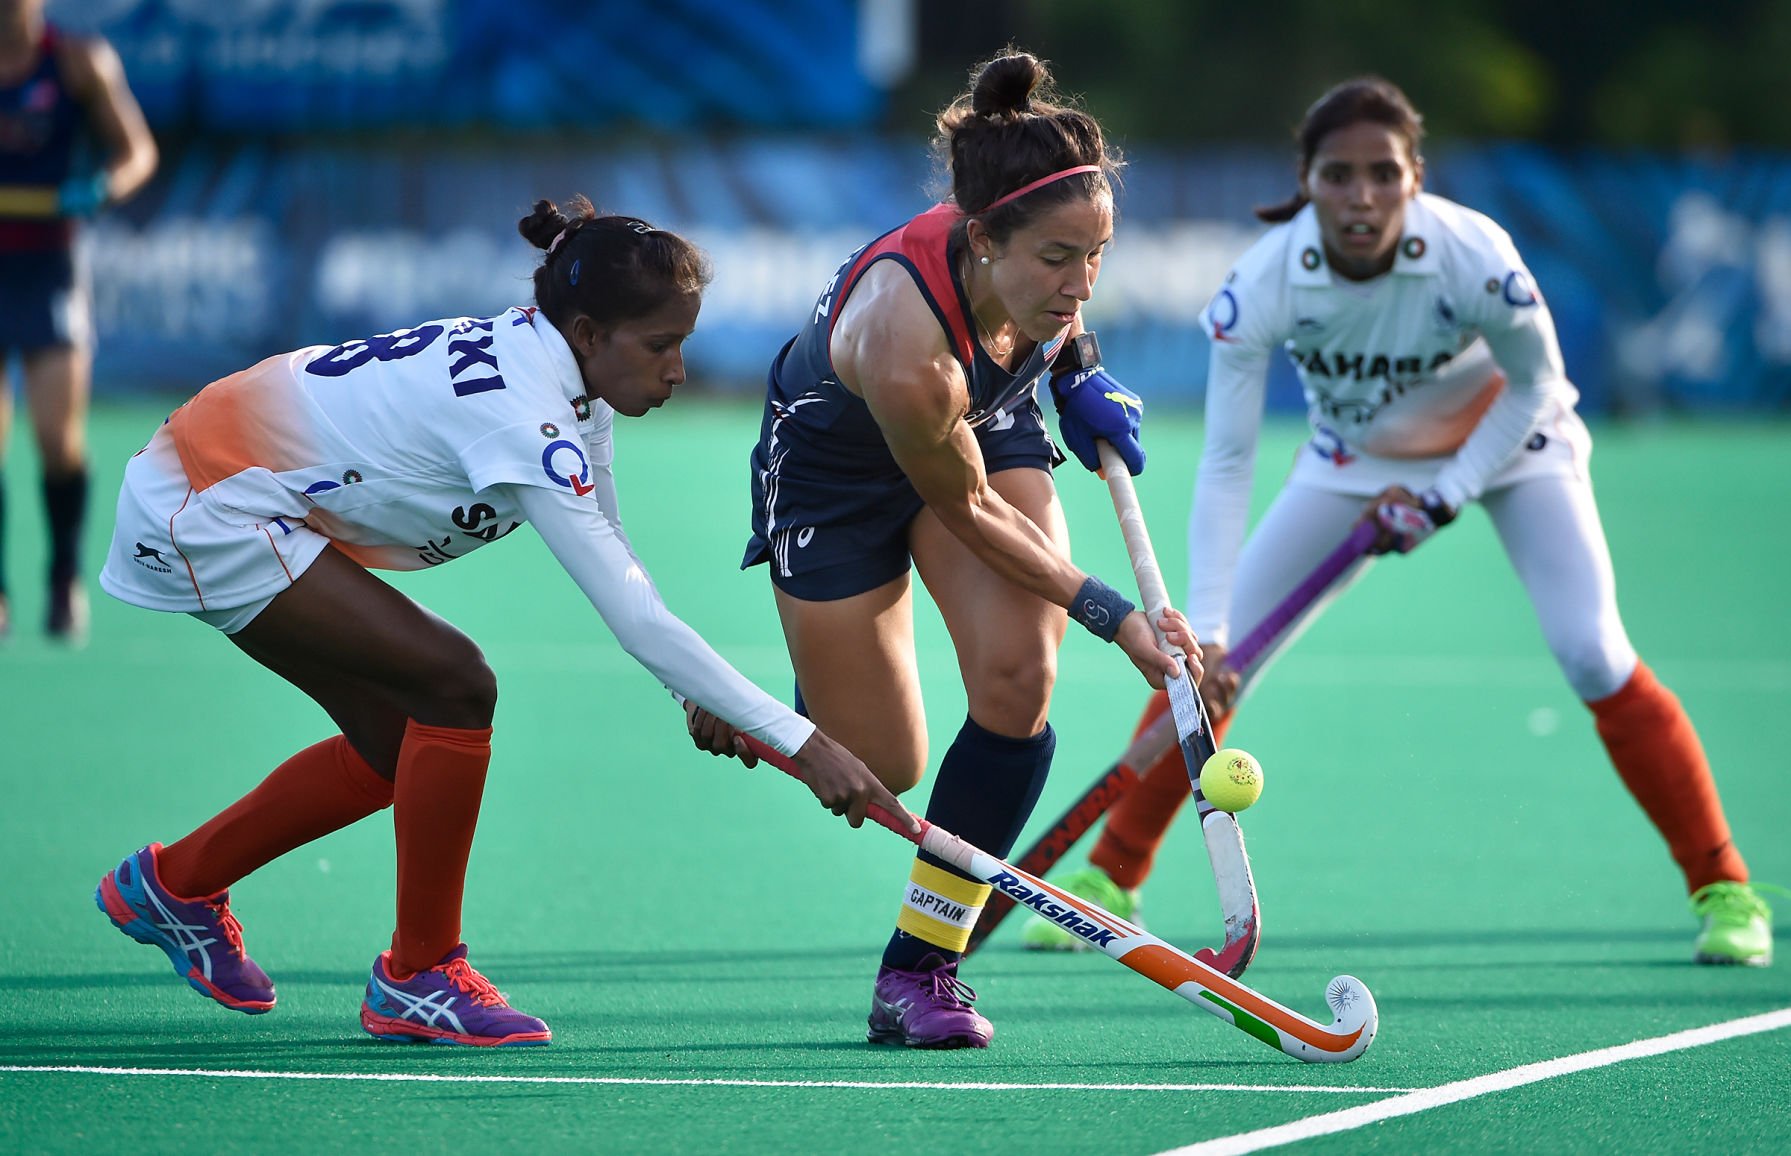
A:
(441, 780)
(1127, 848)
(1656, 751)
(323, 788)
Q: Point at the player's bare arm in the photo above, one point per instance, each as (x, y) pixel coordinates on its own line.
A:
(889, 349)
(96, 78)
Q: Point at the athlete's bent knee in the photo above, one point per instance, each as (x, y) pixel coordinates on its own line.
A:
(1012, 699)
(459, 690)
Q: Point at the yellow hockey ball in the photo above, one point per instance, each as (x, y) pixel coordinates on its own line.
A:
(1231, 780)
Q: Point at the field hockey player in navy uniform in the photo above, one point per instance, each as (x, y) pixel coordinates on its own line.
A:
(59, 94)
(901, 428)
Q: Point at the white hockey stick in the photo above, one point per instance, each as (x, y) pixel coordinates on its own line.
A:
(1224, 839)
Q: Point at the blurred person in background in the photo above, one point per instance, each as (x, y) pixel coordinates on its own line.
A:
(902, 430)
(60, 96)
(259, 507)
(1433, 379)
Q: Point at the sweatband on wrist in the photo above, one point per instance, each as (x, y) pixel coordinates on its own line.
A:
(1100, 608)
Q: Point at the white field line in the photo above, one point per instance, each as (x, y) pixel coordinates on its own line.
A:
(1425, 1099)
(902, 1085)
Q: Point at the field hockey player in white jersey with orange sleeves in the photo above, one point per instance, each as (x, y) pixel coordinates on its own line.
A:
(1433, 378)
(260, 505)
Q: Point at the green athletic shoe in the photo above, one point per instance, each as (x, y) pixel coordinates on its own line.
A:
(1090, 883)
(1737, 925)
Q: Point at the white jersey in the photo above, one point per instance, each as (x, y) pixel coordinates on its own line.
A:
(405, 451)
(1448, 364)
(390, 446)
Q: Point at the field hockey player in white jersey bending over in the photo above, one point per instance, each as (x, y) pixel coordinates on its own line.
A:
(1433, 378)
(259, 507)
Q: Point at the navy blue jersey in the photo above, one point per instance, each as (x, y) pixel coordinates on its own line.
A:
(830, 504)
(925, 248)
(40, 126)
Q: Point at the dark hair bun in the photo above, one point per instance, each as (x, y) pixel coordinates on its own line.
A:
(1005, 85)
(547, 221)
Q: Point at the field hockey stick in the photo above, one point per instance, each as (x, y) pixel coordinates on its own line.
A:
(1354, 1016)
(1083, 814)
(1301, 598)
(1224, 838)
(1158, 738)
(29, 200)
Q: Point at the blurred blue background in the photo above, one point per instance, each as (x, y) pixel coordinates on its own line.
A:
(333, 168)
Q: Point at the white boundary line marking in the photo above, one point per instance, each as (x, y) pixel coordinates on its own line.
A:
(1425, 1099)
(899, 1085)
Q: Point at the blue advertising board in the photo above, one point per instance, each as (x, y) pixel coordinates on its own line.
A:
(1670, 280)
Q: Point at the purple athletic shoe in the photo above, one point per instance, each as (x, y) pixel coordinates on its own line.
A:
(928, 1008)
(448, 1004)
(203, 940)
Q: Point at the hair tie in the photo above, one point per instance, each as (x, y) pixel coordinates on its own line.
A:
(558, 237)
(1040, 183)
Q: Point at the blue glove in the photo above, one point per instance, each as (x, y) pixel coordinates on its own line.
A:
(82, 196)
(1404, 528)
(1092, 405)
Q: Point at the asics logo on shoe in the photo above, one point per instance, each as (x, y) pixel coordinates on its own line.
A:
(432, 1009)
(159, 563)
(182, 934)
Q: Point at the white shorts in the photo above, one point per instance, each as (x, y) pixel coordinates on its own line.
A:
(173, 551)
(1560, 447)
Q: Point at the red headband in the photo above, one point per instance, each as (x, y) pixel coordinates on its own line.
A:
(1042, 181)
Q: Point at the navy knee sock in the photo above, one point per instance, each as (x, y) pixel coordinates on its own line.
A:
(65, 503)
(984, 793)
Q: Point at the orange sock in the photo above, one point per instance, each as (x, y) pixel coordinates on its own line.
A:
(1135, 828)
(323, 788)
(441, 778)
(1657, 754)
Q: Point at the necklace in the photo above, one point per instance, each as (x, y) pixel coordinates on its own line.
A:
(994, 347)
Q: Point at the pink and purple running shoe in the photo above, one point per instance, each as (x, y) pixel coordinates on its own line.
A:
(448, 1004)
(201, 938)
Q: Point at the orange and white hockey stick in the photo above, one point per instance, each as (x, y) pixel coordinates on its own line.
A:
(1354, 1017)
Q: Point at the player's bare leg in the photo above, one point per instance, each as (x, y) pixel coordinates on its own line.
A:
(854, 661)
(414, 699)
(855, 667)
(990, 777)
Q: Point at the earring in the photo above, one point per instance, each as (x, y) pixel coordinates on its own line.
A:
(984, 260)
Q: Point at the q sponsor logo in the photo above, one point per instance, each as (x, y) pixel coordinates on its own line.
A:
(1222, 313)
(565, 465)
(1518, 290)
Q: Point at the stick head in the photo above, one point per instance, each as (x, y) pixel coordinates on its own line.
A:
(1353, 1010)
